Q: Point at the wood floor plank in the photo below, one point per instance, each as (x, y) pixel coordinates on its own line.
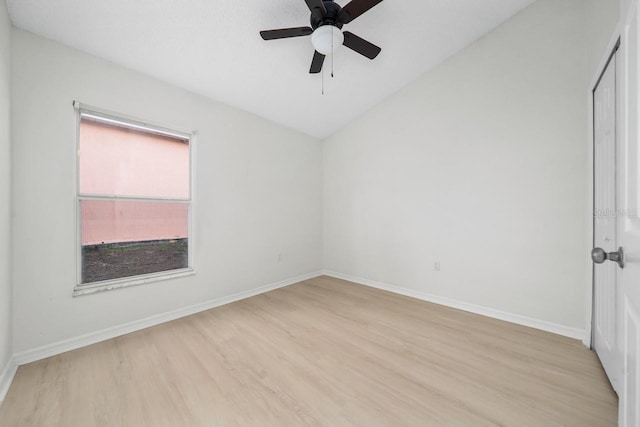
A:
(323, 352)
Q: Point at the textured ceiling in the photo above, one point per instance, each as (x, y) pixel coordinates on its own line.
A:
(213, 48)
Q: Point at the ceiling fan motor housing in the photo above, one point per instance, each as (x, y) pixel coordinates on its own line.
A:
(331, 18)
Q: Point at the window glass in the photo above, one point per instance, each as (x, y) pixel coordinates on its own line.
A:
(134, 200)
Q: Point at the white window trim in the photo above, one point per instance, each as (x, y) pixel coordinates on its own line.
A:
(125, 282)
(115, 118)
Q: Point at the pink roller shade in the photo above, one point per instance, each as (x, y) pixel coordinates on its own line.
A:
(119, 161)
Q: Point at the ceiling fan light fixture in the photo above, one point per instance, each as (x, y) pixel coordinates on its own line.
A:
(326, 39)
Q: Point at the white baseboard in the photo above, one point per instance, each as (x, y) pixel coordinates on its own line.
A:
(6, 377)
(49, 350)
(543, 325)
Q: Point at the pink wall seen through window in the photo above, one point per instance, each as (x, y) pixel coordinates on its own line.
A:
(124, 162)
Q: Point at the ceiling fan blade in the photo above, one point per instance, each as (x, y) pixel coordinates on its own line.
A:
(317, 4)
(354, 9)
(316, 63)
(360, 45)
(283, 33)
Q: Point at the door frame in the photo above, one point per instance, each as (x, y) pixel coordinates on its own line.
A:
(588, 263)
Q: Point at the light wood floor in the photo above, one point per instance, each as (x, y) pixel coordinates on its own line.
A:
(323, 352)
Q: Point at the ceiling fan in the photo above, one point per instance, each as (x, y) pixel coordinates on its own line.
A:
(327, 19)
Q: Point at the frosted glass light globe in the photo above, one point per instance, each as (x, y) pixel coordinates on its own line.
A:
(321, 39)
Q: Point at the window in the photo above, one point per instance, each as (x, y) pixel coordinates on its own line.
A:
(134, 202)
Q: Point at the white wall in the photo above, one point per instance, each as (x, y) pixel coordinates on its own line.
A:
(5, 192)
(602, 18)
(258, 194)
(624, 5)
(480, 164)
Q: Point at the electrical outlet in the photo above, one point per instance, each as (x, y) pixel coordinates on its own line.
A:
(436, 266)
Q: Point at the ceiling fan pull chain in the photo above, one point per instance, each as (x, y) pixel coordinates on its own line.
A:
(332, 52)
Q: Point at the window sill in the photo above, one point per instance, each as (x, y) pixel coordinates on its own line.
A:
(126, 282)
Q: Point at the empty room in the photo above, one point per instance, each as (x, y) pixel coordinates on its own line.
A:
(324, 213)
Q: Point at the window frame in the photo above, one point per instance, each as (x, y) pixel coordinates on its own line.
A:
(108, 117)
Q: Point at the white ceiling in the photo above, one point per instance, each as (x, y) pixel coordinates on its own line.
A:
(213, 48)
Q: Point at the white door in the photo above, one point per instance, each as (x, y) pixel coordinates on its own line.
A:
(629, 221)
(604, 328)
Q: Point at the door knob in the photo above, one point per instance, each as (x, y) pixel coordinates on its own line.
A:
(598, 255)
